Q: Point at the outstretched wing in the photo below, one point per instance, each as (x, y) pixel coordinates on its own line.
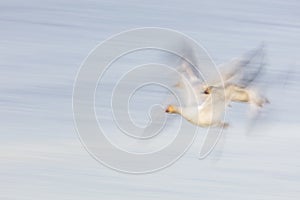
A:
(254, 64)
(189, 89)
(244, 70)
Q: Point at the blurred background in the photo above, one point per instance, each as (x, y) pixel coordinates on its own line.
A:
(42, 45)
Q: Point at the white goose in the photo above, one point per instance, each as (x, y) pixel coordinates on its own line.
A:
(199, 108)
(204, 115)
(204, 104)
(238, 75)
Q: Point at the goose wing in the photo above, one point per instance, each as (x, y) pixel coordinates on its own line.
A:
(189, 84)
(243, 70)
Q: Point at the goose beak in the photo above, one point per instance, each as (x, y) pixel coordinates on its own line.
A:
(167, 110)
(207, 90)
(170, 109)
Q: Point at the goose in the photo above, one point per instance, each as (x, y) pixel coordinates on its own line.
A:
(241, 94)
(205, 115)
(198, 108)
(204, 104)
(237, 75)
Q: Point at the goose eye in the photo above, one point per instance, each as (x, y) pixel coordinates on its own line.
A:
(206, 91)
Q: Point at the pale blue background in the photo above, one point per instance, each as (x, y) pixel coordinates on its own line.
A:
(42, 44)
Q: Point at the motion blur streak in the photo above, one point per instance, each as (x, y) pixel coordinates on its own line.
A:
(42, 44)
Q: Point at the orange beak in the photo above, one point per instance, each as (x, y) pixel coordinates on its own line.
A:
(170, 109)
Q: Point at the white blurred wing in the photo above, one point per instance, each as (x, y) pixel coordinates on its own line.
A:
(244, 70)
(189, 86)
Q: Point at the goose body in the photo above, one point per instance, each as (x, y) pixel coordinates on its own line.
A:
(236, 93)
(209, 113)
